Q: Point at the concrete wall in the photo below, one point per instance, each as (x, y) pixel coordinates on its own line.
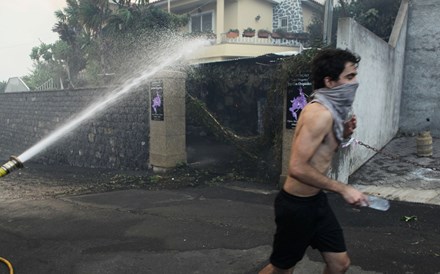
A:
(377, 103)
(421, 88)
(117, 138)
(249, 9)
(167, 126)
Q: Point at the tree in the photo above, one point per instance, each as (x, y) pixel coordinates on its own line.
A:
(48, 64)
(93, 15)
(97, 40)
(2, 86)
(316, 32)
(376, 15)
(135, 31)
(73, 38)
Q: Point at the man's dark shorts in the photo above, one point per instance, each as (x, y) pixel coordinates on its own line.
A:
(303, 222)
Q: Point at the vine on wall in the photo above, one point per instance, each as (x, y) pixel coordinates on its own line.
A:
(217, 97)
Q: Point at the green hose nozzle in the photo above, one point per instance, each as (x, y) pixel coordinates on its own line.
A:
(11, 165)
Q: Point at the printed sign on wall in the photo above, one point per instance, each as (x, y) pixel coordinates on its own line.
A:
(156, 95)
(298, 91)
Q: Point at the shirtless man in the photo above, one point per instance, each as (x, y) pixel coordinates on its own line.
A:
(302, 214)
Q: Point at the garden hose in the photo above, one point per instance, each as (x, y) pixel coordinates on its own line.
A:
(6, 262)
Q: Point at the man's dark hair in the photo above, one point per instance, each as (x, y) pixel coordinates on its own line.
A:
(331, 63)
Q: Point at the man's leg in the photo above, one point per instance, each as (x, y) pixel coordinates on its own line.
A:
(271, 269)
(335, 262)
(295, 221)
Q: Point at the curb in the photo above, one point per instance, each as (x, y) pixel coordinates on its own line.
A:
(431, 196)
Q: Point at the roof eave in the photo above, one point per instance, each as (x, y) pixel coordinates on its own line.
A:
(313, 4)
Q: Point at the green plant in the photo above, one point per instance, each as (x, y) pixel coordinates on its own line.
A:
(181, 165)
(232, 33)
(315, 32)
(2, 86)
(155, 179)
(376, 15)
(262, 33)
(249, 32)
(281, 32)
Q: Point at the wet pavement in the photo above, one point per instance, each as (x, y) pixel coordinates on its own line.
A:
(71, 220)
(405, 177)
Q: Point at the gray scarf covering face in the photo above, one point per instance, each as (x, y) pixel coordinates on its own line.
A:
(338, 101)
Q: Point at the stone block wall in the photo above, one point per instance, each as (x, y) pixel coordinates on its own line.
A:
(420, 108)
(117, 137)
(292, 11)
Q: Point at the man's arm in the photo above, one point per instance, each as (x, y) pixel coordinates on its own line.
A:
(316, 123)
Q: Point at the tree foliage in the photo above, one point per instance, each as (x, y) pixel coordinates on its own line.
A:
(96, 39)
(48, 64)
(2, 86)
(376, 15)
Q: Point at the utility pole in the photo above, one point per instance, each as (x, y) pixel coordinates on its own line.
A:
(328, 21)
(169, 6)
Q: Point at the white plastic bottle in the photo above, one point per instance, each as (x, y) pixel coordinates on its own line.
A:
(378, 203)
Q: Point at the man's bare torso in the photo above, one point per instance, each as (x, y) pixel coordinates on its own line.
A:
(322, 157)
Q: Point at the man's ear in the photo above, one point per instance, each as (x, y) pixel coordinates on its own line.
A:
(328, 82)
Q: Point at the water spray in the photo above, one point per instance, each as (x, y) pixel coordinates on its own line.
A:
(174, 53)
(167, 59)
(11, 165)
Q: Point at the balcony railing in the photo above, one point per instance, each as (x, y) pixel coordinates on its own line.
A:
(260, 41)
(255, 40)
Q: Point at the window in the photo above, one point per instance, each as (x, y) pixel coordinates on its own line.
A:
(202, 22)
(283, 23)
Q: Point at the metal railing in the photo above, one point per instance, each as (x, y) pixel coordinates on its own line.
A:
(48, 85)
(260, 41)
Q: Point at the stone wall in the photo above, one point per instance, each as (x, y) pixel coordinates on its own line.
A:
(421, 96)
(116, 138)
(292, 10)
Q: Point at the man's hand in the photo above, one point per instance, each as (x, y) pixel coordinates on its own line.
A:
(350, 126)
(353, 196)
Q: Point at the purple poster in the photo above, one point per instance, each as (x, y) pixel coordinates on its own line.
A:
(298, 92)
(156, 95)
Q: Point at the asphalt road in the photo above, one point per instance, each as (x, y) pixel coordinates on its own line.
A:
(49, 225)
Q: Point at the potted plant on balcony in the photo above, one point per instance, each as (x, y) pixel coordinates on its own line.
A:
(249, 32)
(232, 33)
(302, 36)
(262, 33)
(290, 35)
(278, 34)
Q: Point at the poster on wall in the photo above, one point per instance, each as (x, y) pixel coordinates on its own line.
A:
(298, 91)
(156, 96)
